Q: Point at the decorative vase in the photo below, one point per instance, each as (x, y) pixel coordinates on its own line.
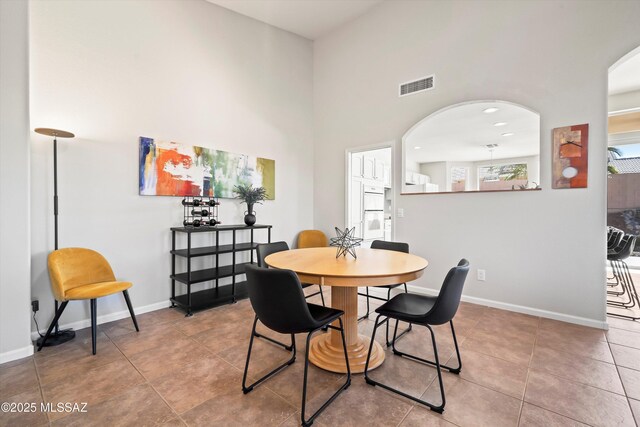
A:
(249, 216)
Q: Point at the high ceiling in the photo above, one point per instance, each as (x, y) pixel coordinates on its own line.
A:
(308, 18)
(462, 134)
(626, 76)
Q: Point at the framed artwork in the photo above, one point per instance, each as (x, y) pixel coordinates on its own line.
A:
(173, 169)
(570, 156)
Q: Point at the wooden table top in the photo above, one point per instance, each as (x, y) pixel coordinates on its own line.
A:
(373, 267)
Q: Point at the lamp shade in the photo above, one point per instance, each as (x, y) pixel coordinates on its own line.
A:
(54, 132)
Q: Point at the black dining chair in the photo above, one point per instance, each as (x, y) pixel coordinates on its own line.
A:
(425, 311)
(621, 271)
(266, 249)
(389, 246)
(279, 303)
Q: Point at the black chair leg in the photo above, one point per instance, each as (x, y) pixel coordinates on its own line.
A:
(436, 408)
(406, 291)
(367, 314)
(94, 323)
(133, 315)
(54, 322)
(346, 385)
(246, 389)
(321, 296)
(430, 362)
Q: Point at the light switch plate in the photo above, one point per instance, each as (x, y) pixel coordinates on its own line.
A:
(482, 275)
(400, 213)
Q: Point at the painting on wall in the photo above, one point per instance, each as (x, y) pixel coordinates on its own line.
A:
(172, 169)
(570, 156)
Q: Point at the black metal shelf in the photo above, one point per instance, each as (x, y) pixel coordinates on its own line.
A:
(218, 295)
(208, 229)
(212, 250)
(208, 298)
(199, 276)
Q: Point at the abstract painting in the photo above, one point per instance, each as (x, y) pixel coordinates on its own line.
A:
(172, 169)
(570, 156)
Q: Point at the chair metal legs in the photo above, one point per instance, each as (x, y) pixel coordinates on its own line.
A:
(625, 280)
(305, 422)
(130, 307)
(54, 322)
(247, 388)
(94, 323)
(343, 387)
(93, 303)
(406, 291)
(436, 363)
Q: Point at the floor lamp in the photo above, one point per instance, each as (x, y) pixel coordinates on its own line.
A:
(57, 337)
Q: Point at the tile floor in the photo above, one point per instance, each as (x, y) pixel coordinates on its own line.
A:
(517, 370)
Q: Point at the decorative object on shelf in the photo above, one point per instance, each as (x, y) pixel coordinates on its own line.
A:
(251, 196)
(57, 337)
(200, 211)
(345, 242)
(570, 156)
(172, 169)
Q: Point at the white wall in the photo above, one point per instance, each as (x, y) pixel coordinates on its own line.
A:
(14, 182)
(187, 71)
(551, 255)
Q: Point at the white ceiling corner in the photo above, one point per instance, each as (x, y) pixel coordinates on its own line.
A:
(310, 19)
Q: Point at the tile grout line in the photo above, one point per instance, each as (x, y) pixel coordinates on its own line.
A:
(633, 415)
(526, 382)
(35, 366)
(146, 380)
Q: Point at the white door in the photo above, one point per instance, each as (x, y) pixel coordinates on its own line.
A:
(356, 206)
(356, 165)
(369, 166)
(378, 171)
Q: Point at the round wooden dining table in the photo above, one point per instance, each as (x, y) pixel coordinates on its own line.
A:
(373, 267)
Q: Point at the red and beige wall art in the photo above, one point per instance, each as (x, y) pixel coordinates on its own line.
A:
(570, 156)
(173, 169)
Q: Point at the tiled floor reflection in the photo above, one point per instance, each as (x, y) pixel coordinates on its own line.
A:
(517, 370)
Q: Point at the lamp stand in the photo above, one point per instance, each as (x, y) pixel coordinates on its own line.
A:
(57, 337)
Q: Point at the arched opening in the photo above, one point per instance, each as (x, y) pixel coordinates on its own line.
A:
(623, 188)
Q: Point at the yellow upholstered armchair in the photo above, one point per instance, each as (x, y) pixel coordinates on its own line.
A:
(80, 274)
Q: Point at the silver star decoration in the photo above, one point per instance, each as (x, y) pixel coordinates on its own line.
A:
(345, 242)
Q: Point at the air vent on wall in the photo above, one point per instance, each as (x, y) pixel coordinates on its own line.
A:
(416, 86)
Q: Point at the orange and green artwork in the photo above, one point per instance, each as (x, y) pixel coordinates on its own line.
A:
(173, 169)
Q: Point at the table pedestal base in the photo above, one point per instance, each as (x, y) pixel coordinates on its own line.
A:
(329, 357)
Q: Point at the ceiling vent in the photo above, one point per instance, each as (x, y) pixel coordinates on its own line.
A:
(416, 86)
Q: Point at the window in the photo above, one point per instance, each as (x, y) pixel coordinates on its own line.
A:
(459, 176)
(502, 177)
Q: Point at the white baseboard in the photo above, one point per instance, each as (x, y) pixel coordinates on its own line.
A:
(505, 306)
(19, 353)
(106, 318)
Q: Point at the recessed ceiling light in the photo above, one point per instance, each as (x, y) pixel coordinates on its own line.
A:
(508, 134)
(490, 110)
(417, 148)
(500, 124)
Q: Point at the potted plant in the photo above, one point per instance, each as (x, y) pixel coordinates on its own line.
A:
(250, 196)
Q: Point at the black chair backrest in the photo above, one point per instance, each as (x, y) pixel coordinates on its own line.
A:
(277, 298)
(448, 300)
(390, 246)
(623, 251)
(266, 249)
(615, 237)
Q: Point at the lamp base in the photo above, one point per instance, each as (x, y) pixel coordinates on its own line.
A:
(58, 338)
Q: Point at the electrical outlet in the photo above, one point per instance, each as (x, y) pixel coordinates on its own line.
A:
(35, 305)
(400, 213)
(482, 275)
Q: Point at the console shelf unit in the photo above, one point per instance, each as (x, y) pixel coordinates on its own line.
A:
(193, 301)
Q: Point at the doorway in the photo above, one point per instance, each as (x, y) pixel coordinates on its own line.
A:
(369, 182)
